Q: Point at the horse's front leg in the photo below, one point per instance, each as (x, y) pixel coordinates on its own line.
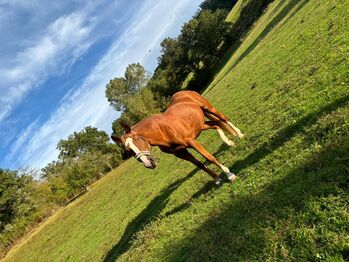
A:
(199, 148)
(185, 155)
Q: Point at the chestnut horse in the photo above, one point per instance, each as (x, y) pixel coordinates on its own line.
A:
(175, 130)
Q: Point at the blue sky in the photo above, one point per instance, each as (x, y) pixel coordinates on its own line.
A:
(57, 57)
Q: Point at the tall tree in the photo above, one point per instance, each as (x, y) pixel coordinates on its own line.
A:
(203, 36)
(13, 196)
(119, 89)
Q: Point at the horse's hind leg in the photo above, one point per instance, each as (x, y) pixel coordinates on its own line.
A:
(213, 114)
(199, 148)
(215, 125)
(185, 155)
(210, 111)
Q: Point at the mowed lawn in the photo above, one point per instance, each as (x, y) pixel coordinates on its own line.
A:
(287, 88)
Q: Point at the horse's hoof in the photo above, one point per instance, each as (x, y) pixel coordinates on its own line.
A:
(218, 182)
(241, 135)
(231, 177)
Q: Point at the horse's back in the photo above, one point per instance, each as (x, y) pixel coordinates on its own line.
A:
(189, 96)
(185, 110)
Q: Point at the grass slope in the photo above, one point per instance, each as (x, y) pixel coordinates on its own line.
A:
(286, 87)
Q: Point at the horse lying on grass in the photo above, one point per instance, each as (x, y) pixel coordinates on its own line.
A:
(176, 129)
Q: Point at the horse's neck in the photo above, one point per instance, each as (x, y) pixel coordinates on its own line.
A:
(150, 132)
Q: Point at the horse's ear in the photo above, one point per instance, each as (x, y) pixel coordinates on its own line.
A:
(116, 139)
(126, 127)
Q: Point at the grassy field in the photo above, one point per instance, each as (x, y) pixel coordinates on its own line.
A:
(287, 88)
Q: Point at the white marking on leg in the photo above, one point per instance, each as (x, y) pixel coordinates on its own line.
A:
(237, 130)
(225, 169)
(231, 176)
(217, 181)
(224, 138)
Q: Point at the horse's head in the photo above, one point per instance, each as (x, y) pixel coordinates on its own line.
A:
(138, 145)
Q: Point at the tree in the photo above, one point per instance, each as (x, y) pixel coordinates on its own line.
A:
(129, 95)
(119, 89)
(83, 157)
(116, 92)
(139, 106)
(213, 5)
(136, 77)
(15, 198)
(173, 68)
(203, 36)
(8, 198)
(90, 139)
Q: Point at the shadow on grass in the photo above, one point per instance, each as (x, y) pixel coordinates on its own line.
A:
(284, 135)
(152, 211)
(254, 227)
(205, 189)
(274, 22)
(281, 137)
(292, 218)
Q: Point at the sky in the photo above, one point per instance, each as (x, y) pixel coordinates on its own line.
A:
(56, 58)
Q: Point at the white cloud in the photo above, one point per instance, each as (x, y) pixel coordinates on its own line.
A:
(62, 43)
(87, 105)
(22, 138)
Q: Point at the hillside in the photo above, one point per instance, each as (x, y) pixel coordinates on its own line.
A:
(286, 88)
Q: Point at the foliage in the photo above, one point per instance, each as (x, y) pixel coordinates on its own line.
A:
(195, 52)
(75, 175)
(10, 192)
(173, 68)
(190, 60)
(202, 37)
(120, 89)
(129, 95)
(88, 140)
(23, 201)
(213, 5)
(83, 157)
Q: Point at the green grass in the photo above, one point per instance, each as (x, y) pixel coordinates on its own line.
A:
(234, 14)
(287, 88)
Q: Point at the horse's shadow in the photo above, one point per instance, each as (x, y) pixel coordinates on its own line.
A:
(151, 212)
(284, 135)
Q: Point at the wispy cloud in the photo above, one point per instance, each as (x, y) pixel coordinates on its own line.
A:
(153, 21)
(62, 43)
(23, 138)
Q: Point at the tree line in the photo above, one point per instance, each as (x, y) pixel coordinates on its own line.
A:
(186, 62)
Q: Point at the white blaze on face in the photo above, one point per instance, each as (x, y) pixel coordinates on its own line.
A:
(130, 144)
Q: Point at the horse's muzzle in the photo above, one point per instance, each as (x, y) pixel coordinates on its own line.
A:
(151, 161)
